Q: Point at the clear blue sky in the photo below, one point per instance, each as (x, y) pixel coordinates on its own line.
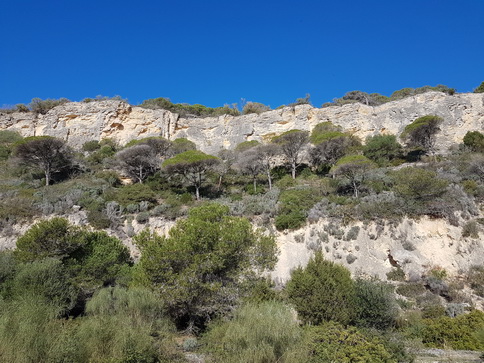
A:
(215, 52)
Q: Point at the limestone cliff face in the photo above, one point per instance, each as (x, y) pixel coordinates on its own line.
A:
(79, 122)
(416, 246)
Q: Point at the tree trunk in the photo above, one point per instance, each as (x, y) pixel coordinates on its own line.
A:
(140, 175)
(293, 170)
(255, 185)
(219, 182)
(47, 176)
(269, 179)
(197, 193)
(355, 189)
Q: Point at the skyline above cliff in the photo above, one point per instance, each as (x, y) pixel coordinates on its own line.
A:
(217, 52)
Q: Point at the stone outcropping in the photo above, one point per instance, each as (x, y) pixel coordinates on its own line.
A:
(79, 122)
(415, 246)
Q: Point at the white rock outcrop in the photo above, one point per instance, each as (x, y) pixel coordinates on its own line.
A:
(78, 122)
(416, 246)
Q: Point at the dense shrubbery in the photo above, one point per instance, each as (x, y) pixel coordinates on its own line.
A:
(322, 291)
(332, 342)
(196, 269)
(455, 333)
(258, 333)
(375, 99)
(185, 109)
(293, 207)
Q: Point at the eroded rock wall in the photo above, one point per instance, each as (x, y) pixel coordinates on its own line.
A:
(79, 122)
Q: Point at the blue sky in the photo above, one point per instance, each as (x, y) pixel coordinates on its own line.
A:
(216, 52)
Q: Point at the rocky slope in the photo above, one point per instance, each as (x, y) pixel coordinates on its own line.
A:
(415, 246)
(79, 122)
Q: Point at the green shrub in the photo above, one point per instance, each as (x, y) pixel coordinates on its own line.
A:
(294, 205)
(475, 278)
(38, 105)
(94, 258)
(411, 289)
(132, 194)
(418, 183)
(182, 144)
(47, 281)
(51, 238)
(105, 151)
(433, 311)
(479, 89)
(126, 326)
(258, 333)
(91, 146)
(382, 149)
(325, 131)
(184, 109)
(200, 268)
(98, 219)
(396, 274)
(474, 140)
(30, 332)
(143, 217)
(332, 342)
(254, 107)
(291, 220)
(375, 304)
(322, 291)
(8, 137)
(454, 333)
(470, 229)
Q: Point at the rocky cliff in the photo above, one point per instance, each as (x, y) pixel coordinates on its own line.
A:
(79, 122)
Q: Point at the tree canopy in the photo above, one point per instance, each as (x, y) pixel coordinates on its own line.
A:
(49, 154)
(199, 267)
(353, 167)
(421, 132)
(192, 165)
(292, 143)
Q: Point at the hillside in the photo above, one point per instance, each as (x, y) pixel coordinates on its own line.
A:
(368, 221)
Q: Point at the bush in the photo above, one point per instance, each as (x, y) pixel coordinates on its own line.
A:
(184, 109)
(411, 289)
(418, 183)
(292, 220)
(454, 333)
(396, 274)
(475, 278)
(30, 332)
(201, 267)
(126, 326)
(433, 311)
(332, 342)
(262, 332)
(322, 291)
(132, 194)
(375, 305)
(470, 229)
(382, 149)
(474, 140)
(47, 281)
(294, 205)
(93, 257)
(91, 146)
(479, 89)
(254, 107)
(143, 217)
(98, 219)
(38, 105)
